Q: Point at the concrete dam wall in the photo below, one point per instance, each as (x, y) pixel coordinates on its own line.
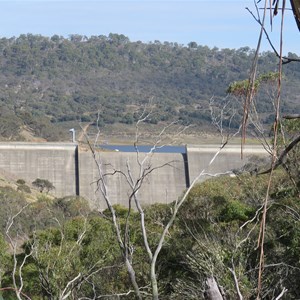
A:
(165, 184)
(73, 170)
(52, 161)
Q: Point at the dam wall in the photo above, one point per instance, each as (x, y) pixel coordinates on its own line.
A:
(55, 162)
(201, 159)
(164, 184)
(73, 170)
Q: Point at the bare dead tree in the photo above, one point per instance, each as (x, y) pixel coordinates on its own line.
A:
(226, 111)
(135, 183)
(276, 125)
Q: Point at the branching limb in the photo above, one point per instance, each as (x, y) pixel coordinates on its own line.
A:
(236, 282)
(103, 189)
(68, 289)
(16, 291)
(176, 207)
(291, 117)
(284, 290)
(282, 156)
(13, 245)
(135, 182)
(285, 59)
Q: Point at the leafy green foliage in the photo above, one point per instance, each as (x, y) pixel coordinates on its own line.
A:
(5, 259)
(240, 88)
(22, 187)
(215, 234)
(291, 161)
(217, 215)
(11, 202)
(85, 247)
(43, 185)
(21, 181)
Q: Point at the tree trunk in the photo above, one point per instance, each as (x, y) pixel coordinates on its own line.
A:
(212, 292)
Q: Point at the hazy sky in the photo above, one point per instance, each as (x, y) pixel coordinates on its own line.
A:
(224, 24)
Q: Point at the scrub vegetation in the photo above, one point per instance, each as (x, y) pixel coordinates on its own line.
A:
(67, 251)
(50, 84)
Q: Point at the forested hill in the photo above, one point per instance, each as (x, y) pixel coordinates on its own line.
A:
(47, 84)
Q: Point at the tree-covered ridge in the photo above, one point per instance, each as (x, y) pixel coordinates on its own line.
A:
(46, 82)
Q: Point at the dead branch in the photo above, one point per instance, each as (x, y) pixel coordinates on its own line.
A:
(13, 245)
(103, 189)
(280, 160)
(284, 290)
(291, 117)
(277, 102)
(285, 59)
(16, 291)
(135, 183)
(176, 207)
(67, 290)
(251, 86)
(236, 282)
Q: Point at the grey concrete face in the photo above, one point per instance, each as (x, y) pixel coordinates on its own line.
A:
(29, 161)
(164, 184)
(74, 171)
(229, 158)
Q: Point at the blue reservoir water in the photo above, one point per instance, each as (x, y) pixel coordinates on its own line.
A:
(144, 148)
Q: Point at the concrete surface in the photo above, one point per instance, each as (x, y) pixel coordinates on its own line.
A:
(73, 171)
(52, 161)
(165, 184)
(229, 158)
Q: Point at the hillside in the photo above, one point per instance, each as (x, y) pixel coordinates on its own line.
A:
(48, 85)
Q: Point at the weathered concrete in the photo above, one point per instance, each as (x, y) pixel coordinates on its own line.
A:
(229, 158)
(73, 171)
(165, 184)
(52, 161)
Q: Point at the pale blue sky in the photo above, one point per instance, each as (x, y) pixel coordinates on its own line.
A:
(224, 24)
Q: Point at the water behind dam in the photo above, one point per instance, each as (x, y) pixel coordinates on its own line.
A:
(145, 148)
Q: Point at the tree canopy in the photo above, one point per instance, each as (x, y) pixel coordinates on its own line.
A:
(215, 234)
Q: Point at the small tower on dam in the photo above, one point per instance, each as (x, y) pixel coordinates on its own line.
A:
(72, 130)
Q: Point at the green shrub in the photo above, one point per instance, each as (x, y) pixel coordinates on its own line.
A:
(24, 188)
(235, 210)
(21, 181)
(43, 185)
